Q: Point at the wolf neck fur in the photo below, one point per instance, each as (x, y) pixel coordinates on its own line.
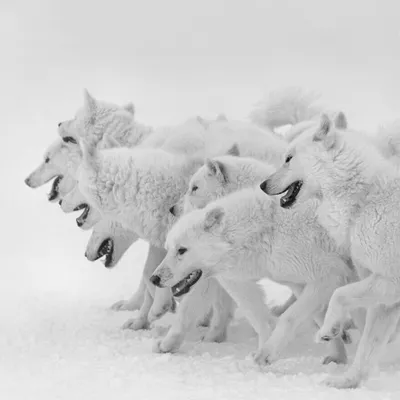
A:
(346, 187)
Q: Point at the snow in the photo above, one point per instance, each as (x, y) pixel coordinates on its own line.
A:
(60, 340)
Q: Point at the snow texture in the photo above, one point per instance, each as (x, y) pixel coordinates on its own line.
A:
(60, 340)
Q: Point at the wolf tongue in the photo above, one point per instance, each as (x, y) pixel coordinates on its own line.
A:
(288, 194)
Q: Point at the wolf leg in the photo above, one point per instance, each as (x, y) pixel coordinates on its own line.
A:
(142, 321)
(313, 298)
(193, 305)
(223, 307)
(249, 296)
(163, 300)
(370, 291)
(380, 324)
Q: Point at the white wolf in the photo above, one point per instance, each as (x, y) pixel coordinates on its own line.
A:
(113, 126)
(358, 192)
(242, 238)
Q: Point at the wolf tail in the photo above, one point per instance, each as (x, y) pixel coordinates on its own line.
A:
(288, 106)
(89, 153)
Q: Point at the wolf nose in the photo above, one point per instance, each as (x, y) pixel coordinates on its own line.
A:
(155, 280)
(263, 186)
(59, 124)
(86, 254)
(172, 210)
(60, 203)
(27, 182)
(79, 222)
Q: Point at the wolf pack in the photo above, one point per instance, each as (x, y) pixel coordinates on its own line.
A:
(204, 196)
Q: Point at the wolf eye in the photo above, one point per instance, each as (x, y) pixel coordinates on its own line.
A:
(69, 139)
(194, 188)
(288, 158)
(47, 159)
(182, 250)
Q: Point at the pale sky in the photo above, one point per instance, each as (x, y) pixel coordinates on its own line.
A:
(174, 59)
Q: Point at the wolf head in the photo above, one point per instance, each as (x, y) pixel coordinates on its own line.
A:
(223, 175)
(308, 162)
(101, 121)
(194, 246)
(110, 240)
(60, 163)
(75, 201)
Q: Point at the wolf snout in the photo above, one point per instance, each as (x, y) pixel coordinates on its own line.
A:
(28, 182)
(270, 188)
(263, 186)
(172, 210)
(156, 280)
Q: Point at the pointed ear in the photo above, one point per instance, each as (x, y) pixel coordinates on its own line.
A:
(130, 108)
(233, 151)
(90, 103)
(323, 129)
(325, 133)
(218, 169)
(340, 121)
(213, 218)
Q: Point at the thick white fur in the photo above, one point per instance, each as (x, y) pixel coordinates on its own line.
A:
(114, 126)
(108, 124)
(255, 239)
(245, 237)
(213, 138)
(359, 193)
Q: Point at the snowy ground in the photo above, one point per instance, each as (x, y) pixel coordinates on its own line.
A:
(60, 340)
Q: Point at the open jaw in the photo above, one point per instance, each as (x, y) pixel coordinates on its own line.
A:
(106, 249)
(292, 191)
(82, 218)
(69, 139)
(54, 192)
(183, 286)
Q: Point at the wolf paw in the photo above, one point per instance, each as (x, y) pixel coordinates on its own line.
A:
(136, 324)
(167, 345)
(327, 334)
(342, 382)
(125, 305)
(264, 357)
(337, 359)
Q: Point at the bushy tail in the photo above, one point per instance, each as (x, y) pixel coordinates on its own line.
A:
(288, 106)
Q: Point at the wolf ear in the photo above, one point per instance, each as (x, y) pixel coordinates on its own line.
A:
(217, 168)
(130, 108)
(213, 218)
(90, 103)
(325, 133)
(340, 121)
(233, 151)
